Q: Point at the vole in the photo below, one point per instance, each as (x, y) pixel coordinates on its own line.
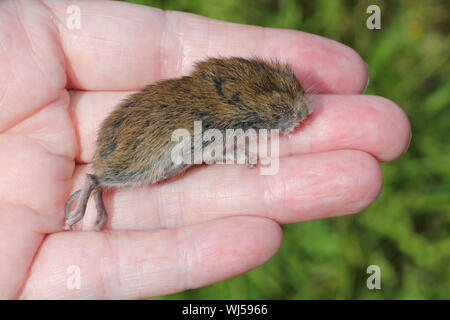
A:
(134, 142)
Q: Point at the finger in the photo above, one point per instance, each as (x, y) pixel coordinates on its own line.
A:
(32, 71)
(305, 187)
(18, 245)
(367, 123)
(123, 47)
(136, 265)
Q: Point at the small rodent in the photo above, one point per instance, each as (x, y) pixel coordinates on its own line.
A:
(134, 143)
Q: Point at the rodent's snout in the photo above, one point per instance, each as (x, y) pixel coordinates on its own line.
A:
(305, 108)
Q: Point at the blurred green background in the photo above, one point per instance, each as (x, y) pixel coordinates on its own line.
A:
(406, 232)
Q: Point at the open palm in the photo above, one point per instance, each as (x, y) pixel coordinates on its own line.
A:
(56, 86)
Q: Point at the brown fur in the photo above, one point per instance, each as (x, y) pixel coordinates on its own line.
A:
(134, 143)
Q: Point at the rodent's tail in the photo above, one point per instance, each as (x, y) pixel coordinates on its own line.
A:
(69, 202)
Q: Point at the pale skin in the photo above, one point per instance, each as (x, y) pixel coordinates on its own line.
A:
(215, 222)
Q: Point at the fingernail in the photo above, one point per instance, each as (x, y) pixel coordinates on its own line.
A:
(409, 143)
(368, 77)
(379, 195)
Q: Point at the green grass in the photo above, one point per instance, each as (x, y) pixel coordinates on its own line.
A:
(406, 232)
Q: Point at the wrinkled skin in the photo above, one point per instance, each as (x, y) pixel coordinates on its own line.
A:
(57, 85)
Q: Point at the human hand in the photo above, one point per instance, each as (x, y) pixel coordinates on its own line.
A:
(57, 85)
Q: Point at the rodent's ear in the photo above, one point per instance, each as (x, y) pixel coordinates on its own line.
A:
(209, 75)
(204, 70)
(214, 78)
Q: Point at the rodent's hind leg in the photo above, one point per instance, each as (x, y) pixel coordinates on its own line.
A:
(70, 201)
(102, 216)
(78, 214)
